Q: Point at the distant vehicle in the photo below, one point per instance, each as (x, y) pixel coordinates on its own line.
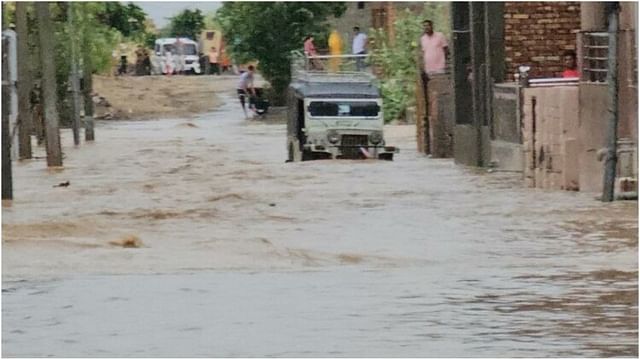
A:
(210, 38)
(334, 115)
(214, 38)
(175, 55)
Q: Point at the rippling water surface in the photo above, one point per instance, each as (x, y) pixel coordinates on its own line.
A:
(241, 254)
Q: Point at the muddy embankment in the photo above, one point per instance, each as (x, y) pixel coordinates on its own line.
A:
(152, 97)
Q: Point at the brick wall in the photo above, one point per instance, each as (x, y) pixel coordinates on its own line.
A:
(537, 33)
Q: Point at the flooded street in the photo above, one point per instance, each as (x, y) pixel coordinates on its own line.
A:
(241, 254)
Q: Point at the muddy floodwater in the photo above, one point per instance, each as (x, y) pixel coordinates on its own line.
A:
(193, 237)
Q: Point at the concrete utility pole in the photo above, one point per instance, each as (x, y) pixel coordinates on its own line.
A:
(24, 82)
(478, 64)
(73, 76)
(488, 83)
(49, 96)
(611, 159)
(7, 180)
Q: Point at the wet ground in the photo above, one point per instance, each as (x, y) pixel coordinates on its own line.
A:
(194, 238)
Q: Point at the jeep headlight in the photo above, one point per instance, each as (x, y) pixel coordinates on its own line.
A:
(375, 137)
(333, 137)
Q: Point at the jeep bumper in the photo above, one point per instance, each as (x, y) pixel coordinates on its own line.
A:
(347, 151)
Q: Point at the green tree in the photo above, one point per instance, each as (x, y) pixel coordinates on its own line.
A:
(269, 31)
(188, 23)
(97, 40)
(211, 21)
(8, 14)
(127, 19)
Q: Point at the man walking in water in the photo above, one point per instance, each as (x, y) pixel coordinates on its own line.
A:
(245, 86)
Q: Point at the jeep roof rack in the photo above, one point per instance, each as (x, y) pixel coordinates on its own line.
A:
(302, 69)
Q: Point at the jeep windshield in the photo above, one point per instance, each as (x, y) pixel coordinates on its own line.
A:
(344, 109)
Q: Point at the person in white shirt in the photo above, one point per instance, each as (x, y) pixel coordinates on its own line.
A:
(245, 87)
(359, 47)
(168, 64)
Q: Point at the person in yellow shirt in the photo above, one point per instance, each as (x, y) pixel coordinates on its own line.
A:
(335, 48)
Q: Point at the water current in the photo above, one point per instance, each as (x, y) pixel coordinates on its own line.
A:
(237, 253)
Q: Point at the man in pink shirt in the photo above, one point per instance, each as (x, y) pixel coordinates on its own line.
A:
(434, 50)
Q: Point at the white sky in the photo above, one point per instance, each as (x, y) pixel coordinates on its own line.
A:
(160, 11)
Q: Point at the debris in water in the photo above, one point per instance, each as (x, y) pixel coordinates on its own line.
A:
(188, 124)
(349, 258)
(63, 184)
(129, 241)
(225, 196)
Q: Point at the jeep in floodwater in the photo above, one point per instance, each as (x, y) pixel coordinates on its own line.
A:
(334, 114)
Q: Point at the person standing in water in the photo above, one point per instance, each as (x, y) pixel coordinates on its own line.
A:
(245, 88)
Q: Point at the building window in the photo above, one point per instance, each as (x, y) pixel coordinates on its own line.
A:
(210, 35)
(360, 5)
(379, 18)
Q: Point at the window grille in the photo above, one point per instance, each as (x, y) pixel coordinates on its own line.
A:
(595, 53)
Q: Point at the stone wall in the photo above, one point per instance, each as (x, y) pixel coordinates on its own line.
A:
(537, 33)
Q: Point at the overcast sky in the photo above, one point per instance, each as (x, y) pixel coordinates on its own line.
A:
(159, 11)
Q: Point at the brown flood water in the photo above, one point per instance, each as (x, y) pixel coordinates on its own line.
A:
(192, 238)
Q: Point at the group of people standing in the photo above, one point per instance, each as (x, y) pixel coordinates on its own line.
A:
(335, 44)
(173, 60)
(218, 61)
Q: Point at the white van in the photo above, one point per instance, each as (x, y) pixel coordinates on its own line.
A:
(174, 55)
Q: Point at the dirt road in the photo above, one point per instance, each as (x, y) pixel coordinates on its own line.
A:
(193, 237)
